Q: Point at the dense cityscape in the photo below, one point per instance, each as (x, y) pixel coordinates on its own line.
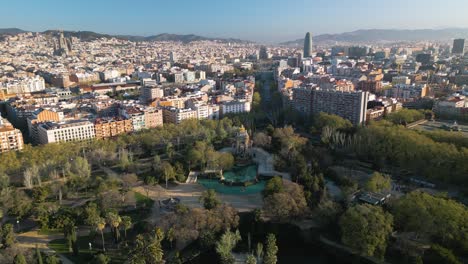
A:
(344, 148)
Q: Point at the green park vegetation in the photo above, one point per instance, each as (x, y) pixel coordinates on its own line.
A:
(405, 116)
(86, 192)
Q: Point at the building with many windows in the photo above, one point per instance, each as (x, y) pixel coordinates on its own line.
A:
(10, 137)
(111, 127)
(149, 93)
(235, 107)
(175, 115)
(458, 46)
(349, 105)
(153, 117)
(51, 132)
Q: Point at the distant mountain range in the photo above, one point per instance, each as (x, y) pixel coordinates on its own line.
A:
(386, 35)
(89, 35)
(11, 31)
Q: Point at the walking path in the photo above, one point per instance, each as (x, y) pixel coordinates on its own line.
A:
(33, 238)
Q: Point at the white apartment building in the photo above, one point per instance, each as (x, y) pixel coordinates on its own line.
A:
(24, 85)
(64, 132)
(176, 115)
(189, 76)
(235, 107)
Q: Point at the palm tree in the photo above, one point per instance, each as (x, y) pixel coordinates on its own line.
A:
(114, 220)
(127, 223)
(100, 225)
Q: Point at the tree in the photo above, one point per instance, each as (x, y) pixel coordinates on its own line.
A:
(225, 160)
(124, 159)
(261, 139)
(18, 204)
(167, 171)
(271, 249)
(437, 254)
(92, 214)
(287, 142)
(52, 259)
(101, 259)
(7, 236)
(366, 229)
(226, 244)
(259, 252)
(38, 256)
(437, 218)
(332, 121)
(274, 185)
(256, 101)
(405, 116)
(29, 175)
(40, 194)
(19, 259)
(379, 183)
(4, 181)
(189, 224)
(127, 223)
(170, 150)
(114, 220)
(148, 249)
(100, 225)
(250, 259)
(80, 168)
(209, 199)
(286, 205)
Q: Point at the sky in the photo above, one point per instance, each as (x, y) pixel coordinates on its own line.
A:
(258, 20)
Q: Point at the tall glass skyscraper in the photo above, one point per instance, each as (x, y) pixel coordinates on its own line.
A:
(308, 45)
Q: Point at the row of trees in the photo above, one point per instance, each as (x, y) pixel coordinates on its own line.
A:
(384, 144)
(436, 220)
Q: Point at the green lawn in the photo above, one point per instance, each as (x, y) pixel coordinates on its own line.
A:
(142, 200)
(85, 255)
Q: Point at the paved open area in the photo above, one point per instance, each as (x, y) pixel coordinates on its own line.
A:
(441, 125)
(189, 194)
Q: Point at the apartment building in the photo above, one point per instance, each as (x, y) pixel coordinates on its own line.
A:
(235, 107)
(111, 127)
(10, 137)
(175, 115)
(51, 132)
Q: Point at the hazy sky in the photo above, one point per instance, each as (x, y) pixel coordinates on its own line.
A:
(259, 20)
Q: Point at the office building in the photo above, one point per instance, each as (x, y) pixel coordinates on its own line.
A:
(263, 54)
(458, 46)
(308, 45)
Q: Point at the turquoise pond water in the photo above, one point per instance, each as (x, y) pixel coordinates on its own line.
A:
(235, 190)
(237, 174)
(241, 174)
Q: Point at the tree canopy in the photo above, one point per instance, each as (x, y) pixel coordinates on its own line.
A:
(366, 228)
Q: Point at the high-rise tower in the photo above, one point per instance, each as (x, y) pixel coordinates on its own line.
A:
(308, 45)
(458, 46)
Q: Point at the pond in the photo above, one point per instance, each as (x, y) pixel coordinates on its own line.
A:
(241, 174)
(235, 190)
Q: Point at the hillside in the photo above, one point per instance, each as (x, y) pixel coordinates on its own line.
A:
(387, 35)
(90, 35)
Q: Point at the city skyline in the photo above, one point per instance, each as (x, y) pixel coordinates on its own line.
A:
(262, 21)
